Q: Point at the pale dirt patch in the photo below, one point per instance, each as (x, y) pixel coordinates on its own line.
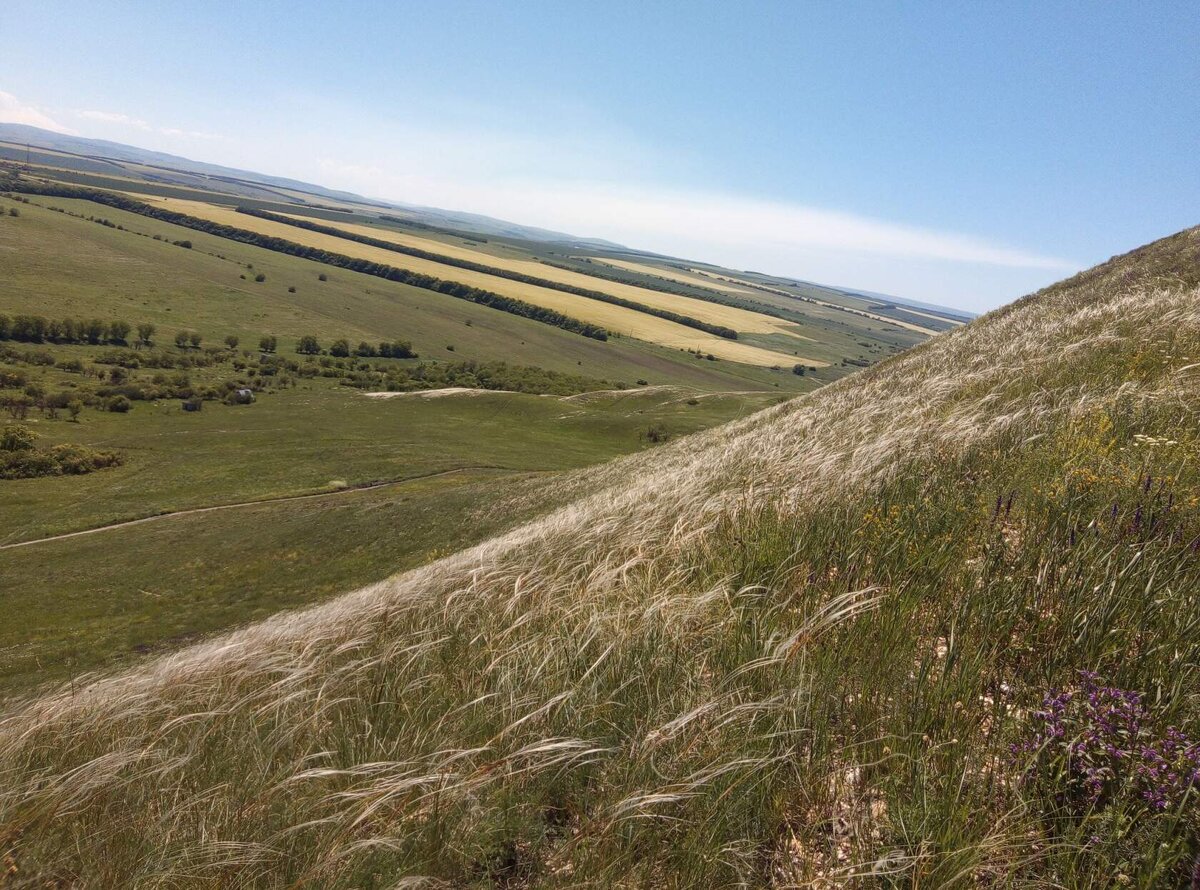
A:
(438, 393)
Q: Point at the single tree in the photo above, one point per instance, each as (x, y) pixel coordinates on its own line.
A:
(267, 344)
(74, 407)
(194, 338)
(231, 341)
(340, 348)
(118, 331)
(308, 345)
(181, 339)
(145, 333)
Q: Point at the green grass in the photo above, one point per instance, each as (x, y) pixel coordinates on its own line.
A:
(100, 600)
(123, 592)
(301, 439)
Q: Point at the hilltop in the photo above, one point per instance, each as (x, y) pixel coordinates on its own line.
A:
(930, 625)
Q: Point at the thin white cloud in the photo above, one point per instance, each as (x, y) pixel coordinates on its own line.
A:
(190, 134)
(14, 111)
(125, 120)
(645, 216)
(733, 220)
(113, 117)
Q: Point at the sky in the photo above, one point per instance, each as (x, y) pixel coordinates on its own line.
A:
(963, 154)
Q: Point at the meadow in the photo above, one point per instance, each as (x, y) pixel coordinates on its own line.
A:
(932, 625)
(402, 477)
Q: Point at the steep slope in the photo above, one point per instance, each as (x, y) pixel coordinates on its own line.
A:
(811, 645)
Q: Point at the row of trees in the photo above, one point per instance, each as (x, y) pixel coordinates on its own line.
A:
(281, 245)
(310, 345)
(96, 331)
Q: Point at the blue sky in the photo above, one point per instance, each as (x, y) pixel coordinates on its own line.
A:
(960, 153)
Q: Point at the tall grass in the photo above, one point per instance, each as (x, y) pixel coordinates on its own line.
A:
(806, 649)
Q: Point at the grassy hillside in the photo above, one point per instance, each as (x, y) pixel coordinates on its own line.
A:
(933, 625)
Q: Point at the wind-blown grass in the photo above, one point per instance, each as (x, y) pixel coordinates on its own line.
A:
(794, 651)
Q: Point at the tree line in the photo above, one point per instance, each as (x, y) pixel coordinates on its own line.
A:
(309, 345)
(665, 286)
(97, 332)
(454, 289)
(94, 331)
(599, 296)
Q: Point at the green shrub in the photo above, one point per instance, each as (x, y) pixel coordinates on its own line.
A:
(17, 437)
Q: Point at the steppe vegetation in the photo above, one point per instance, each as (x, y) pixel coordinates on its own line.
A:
(932, 625)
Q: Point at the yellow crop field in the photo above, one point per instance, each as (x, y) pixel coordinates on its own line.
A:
(698, 279)
(742, 320)
(618, 319)
(929, 332)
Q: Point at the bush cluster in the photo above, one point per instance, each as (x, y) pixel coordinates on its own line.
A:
(21, 459)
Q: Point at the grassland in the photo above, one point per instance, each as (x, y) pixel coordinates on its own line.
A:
(843, 339)
(437, 462)
(828, 644)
